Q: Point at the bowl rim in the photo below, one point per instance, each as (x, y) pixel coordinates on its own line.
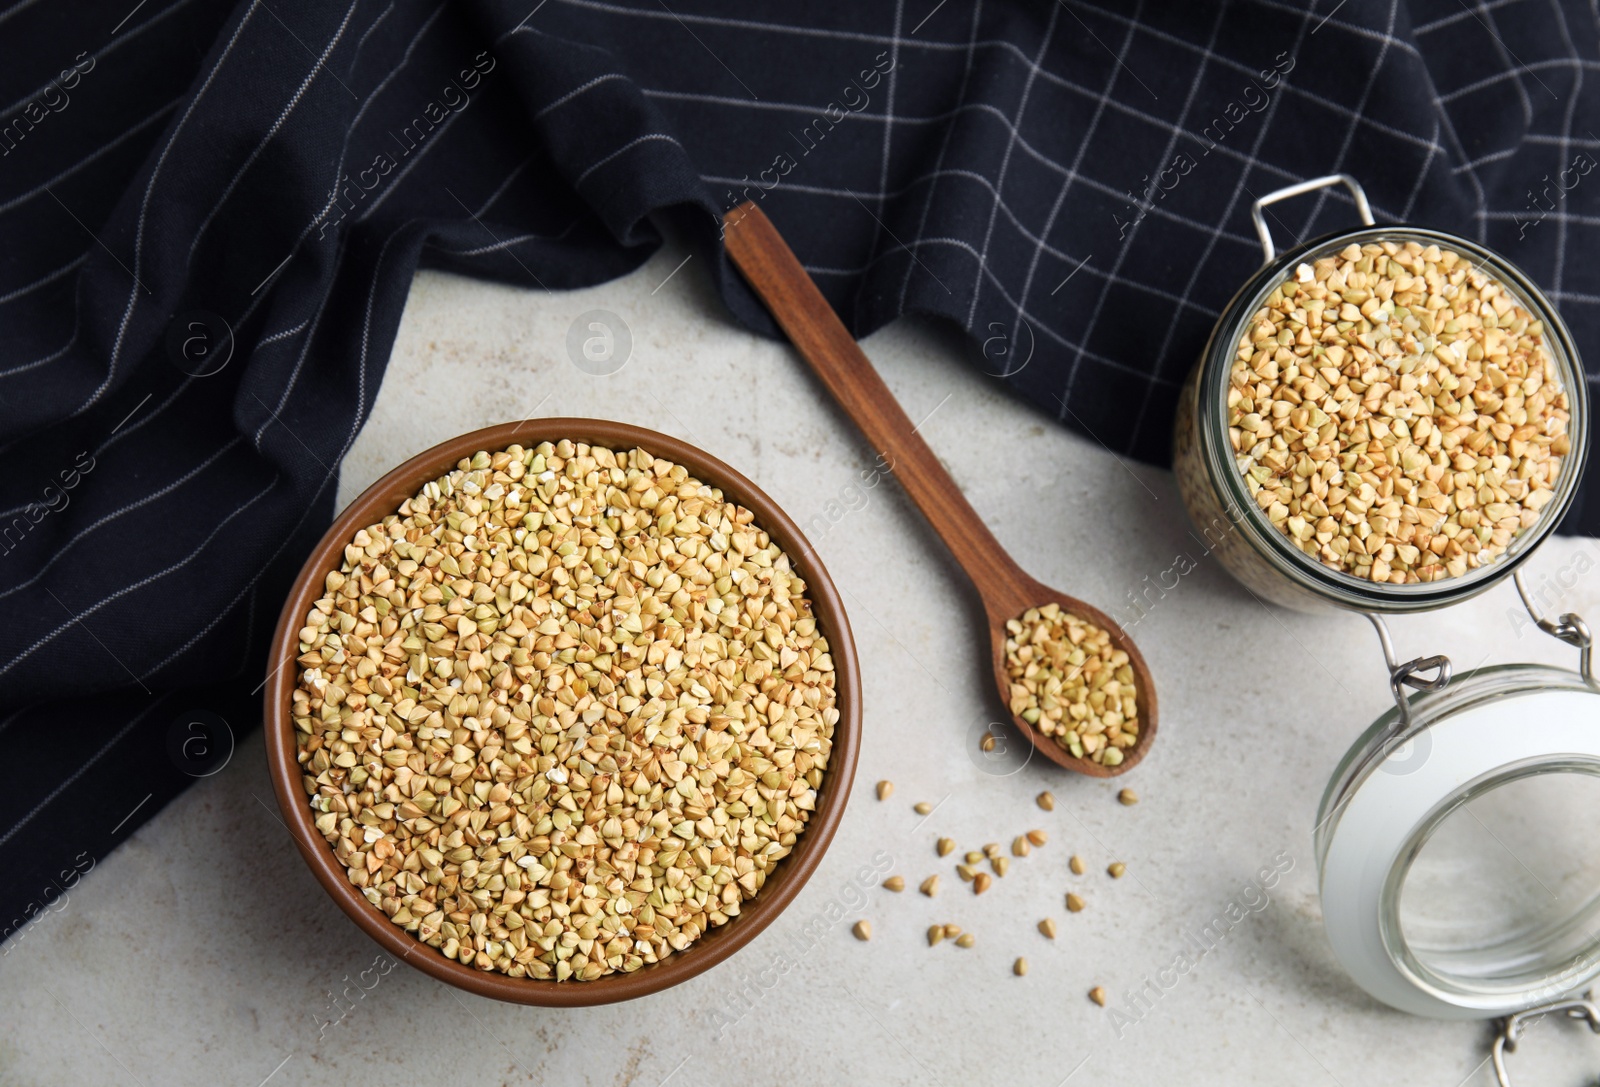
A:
(383, 498)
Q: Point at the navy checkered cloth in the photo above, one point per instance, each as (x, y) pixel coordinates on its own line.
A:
(1069, 182)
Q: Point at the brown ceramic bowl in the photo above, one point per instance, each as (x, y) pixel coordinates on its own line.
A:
(382, 499)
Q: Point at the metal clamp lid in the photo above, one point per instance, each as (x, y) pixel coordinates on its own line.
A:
(1570, 629)
(1408, 674)
(1257, 216)
(1514, 1026)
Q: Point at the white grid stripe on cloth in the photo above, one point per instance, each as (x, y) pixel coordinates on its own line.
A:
(1005, 161)
(1211, 242)
(932, 177)
(1166, 155)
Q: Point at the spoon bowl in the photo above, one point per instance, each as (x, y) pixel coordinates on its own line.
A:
(1003, 603)
(782, 283)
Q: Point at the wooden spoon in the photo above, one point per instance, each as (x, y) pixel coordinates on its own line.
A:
(766, 261)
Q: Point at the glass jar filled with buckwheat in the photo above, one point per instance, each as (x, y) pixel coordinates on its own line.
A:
(1389, 419)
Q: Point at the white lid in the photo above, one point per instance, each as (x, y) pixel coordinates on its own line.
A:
(1381, 819)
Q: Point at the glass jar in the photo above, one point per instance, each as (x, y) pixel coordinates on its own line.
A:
(1231, 525)
(1457, 872)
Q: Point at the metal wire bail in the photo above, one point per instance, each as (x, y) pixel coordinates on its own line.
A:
(1571, 629)
(1363, 208)
(1514, 1025)
(1409, 674)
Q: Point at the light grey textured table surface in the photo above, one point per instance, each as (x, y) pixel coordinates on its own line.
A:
(203, 952)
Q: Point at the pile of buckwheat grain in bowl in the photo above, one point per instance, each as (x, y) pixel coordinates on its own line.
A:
(1071, 682)
(1396, 414)
(564, 711)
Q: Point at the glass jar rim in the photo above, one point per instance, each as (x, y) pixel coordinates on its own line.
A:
(1335, 586)
(1361, 873)
(1535, 983)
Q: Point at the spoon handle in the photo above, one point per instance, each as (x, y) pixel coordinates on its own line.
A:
(773, 271)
